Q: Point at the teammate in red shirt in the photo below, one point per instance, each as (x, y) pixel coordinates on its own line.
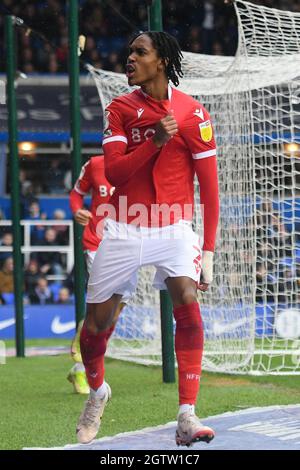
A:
(91, 180)
(155, 141)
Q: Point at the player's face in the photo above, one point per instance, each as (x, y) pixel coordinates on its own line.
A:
(143, 63)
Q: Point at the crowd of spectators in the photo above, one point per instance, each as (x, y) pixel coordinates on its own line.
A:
(206, 27)
(46, 280)
(278, 259)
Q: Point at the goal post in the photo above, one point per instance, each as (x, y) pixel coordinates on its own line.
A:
(166, 306)
(251, 311)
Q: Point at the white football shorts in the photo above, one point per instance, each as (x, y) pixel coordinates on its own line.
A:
(174, 250)
(89, 258)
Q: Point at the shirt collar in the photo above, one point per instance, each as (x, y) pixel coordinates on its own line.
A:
(169, 94)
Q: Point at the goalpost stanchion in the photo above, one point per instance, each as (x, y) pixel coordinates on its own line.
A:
(155, 15)
(14, 176)
(166, 307)
(167, 338)
(79, 269)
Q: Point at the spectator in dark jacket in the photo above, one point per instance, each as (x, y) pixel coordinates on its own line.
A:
(50, 262)
(32, 274)
(42, 294)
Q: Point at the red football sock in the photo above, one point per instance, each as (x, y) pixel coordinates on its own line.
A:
(110, 332)
(93, 347)
(189, 349)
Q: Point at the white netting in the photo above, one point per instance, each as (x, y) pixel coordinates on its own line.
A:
(251, 315)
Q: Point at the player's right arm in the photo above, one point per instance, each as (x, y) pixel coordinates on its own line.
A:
(81, 188)
(121, 165)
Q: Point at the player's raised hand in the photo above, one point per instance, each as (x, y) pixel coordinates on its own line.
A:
(164, 130)
(83, 216)
(207, 271)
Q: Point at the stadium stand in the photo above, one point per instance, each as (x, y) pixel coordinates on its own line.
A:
(44, 189)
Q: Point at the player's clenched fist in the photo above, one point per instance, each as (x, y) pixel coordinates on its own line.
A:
(164, 130)
(83, 216)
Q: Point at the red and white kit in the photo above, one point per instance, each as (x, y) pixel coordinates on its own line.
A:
(156, 179)
(91, 180)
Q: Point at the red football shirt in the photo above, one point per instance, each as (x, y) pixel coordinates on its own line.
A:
(92, 179)
(149, 176)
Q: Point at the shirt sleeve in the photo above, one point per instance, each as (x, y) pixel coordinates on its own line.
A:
(207, 174)
(84, 183)
(76, 201)
(113, 126)
(119, 164)
(81, 187)
(197, 131)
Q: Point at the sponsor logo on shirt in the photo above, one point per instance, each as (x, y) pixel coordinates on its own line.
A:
(205, 131)
(140, 112)
(107, 133)
(106, 121)
(199, 114)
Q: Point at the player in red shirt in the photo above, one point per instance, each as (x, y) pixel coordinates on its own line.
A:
(155, 141)
(91, 180)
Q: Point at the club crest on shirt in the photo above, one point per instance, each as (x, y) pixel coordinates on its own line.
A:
(205, 131)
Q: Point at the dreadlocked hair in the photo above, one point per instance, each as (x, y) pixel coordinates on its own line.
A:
(168, 49)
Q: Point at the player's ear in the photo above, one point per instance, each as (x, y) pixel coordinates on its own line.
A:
(162, 65)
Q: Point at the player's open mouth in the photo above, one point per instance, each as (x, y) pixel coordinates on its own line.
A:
(130, 69)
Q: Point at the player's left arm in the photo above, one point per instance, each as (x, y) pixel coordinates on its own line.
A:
(81, 189)
(199, 137)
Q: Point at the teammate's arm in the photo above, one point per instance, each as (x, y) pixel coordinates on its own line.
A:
(81, 188)
(121, 165)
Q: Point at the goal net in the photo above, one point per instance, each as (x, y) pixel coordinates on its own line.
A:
(251, 311)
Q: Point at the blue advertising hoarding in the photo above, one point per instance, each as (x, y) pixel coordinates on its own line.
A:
(136, 322)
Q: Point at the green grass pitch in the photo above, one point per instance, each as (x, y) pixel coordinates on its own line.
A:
(39, 408)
